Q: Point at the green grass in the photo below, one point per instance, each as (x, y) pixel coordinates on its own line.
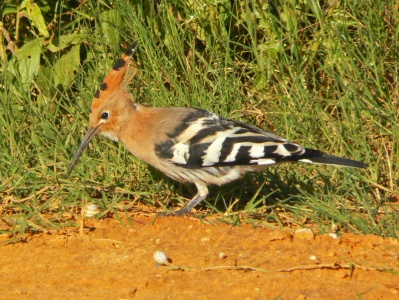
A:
(323, 74)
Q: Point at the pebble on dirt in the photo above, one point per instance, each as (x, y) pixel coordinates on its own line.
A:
(161, 258)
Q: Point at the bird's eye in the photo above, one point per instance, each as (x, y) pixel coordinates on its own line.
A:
(105, 115)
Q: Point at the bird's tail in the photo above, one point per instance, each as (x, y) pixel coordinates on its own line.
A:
(318, 157)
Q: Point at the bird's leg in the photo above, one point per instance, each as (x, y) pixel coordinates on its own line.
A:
(198, 198)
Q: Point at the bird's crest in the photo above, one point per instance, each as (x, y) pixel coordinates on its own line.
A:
(118, 77)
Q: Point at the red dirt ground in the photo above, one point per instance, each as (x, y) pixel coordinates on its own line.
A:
(109, 261)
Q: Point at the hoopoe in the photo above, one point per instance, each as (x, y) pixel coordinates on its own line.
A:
(188, 144)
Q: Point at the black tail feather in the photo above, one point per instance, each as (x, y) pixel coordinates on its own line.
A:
(316, 156)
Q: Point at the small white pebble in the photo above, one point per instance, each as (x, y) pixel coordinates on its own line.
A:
(222, 255)
(333, 235)
(161, 258)
(313, 257)
(304, 234)
(90, 210)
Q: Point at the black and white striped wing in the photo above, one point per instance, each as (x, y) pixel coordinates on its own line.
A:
(207, 140)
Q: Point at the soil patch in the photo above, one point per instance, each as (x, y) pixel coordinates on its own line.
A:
(109, 261)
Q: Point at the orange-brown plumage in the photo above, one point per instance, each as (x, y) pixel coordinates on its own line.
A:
(117, 78)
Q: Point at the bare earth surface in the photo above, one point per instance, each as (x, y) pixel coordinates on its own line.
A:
(109, 261)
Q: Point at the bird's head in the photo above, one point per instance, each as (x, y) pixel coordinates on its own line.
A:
(109, 103)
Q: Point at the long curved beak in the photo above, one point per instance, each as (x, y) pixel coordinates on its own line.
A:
(86, 140)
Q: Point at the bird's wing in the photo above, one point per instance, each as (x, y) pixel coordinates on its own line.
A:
(203, 139)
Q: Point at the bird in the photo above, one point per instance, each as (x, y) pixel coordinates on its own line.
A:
(189, 145)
